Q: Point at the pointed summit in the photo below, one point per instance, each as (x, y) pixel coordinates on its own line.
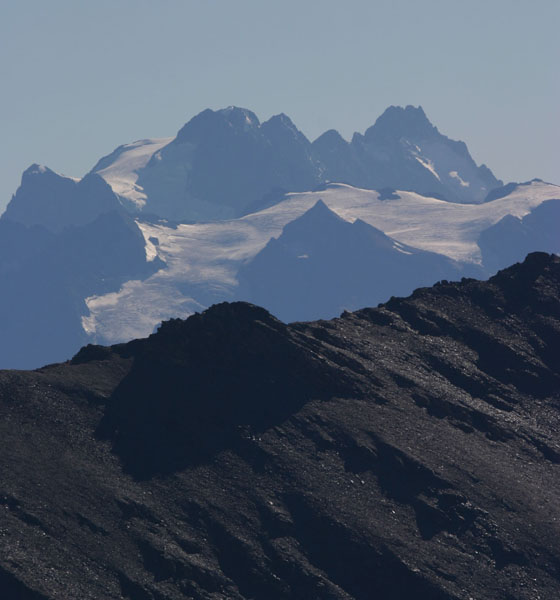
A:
(321, 211)
(281, 119)
(318, 221)
(280, 129)
(330, 139)
(322, 264)
(397, 122)
(36, 169)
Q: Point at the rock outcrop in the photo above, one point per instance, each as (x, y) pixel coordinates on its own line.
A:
(405, 451)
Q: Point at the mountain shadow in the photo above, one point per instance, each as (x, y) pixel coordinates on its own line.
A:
(172, 410)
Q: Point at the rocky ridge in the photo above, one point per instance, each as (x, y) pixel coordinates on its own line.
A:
(409, 450)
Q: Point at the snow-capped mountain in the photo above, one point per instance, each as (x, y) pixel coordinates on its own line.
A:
(226, 163)
(120, 170)
(219, 164)
(164, 228)
(404, 151)
(322, 265)
(203, 260)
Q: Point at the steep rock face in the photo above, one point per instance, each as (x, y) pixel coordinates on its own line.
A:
(223, 161)
(322, 265)
(403, 150)
(339, 158)
(408, 451)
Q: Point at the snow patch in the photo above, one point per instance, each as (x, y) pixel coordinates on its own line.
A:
(428, 164)
(149, 246)
(456, 176)
(122, 173)
(203, 259)
(399, 248)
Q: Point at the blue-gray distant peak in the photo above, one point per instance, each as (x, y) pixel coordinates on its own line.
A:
(322, 264)
(281, 130)
(219, 122)
(53, 201)
(239, 117)
(397, 122)
(317, 219)
(331, 137)
(36, 171)
(225, 163)
(280, 126)
(280, 120)
(404, 151)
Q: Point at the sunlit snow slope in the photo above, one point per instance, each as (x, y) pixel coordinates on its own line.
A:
(120, 168)
(203, 259)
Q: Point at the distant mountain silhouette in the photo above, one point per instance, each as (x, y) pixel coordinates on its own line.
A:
(45, 278)
(53, 201)
(511, 239)
(322, 265)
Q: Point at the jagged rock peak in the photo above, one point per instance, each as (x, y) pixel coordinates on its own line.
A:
(231, 321)
(238, 312)
(397, 122)
(535, 265)
(534, 283)
(280, 126)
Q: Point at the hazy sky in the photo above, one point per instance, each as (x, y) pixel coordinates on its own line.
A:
(80, 78)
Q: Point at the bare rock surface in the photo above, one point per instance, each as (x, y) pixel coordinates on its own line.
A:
(405, 451)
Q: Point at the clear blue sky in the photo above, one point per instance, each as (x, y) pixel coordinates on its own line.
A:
(80, 78)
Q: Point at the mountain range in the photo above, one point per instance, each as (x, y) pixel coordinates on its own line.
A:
(225, 163)
(405, 451)
(163, 228)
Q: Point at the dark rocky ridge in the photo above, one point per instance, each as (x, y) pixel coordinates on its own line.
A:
(408, 451)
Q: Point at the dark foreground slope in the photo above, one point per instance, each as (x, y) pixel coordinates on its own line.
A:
(409, 451)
